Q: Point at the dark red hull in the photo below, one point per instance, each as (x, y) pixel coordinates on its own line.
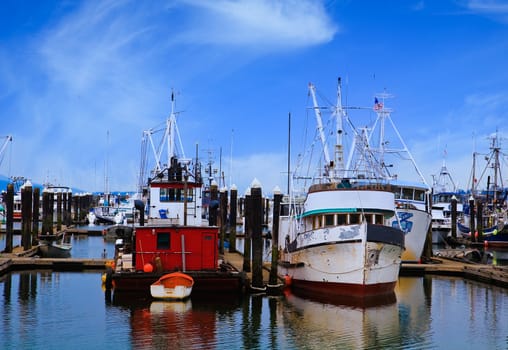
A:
(204, 281)
(325, 289)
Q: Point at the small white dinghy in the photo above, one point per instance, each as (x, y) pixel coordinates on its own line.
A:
(172, 286)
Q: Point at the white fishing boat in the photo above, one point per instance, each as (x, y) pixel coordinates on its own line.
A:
(444, 192)
(338, 241)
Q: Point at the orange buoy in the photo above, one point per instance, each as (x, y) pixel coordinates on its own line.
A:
(148, 267)
(287, 280)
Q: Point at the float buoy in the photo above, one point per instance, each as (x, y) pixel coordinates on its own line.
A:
(148, 268)
(287, 280)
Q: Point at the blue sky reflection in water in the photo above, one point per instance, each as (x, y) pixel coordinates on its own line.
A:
(57, 310)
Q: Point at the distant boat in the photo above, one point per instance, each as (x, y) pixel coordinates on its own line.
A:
(118, 231)
(493, 199)
(54, 246)
(445, 191)
(172, 286)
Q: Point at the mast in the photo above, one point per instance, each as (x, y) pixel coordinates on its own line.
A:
(339, 114)
(171, 139)
(329, 165)
(289, 148)
(384, 114)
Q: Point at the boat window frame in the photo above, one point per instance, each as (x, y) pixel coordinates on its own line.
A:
(329, 220)
(354, 219)
(407, 193)
(162, 244)
(419, 195)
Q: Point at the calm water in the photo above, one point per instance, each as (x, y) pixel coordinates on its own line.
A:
(59, 310)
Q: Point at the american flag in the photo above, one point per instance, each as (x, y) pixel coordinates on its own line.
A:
(377, 105)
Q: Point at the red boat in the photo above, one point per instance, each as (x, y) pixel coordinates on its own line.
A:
(176, 237)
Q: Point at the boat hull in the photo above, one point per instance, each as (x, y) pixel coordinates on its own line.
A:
(415, 223)
(172, 286)
(55, 250)
(177, 293)
(204, 281)
(365, 265)
(498, 240)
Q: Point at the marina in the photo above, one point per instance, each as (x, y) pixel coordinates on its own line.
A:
(349, 247)
(241, 174)
(422, 313)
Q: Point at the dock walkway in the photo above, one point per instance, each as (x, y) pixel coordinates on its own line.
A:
(496, 275)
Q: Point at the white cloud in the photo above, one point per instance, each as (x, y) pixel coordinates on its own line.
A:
(260, 25)
(488, 6)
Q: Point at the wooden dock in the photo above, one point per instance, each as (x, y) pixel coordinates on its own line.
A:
(61, 264)
(495, 275)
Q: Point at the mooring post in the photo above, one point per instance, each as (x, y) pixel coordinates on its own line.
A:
(223, 210)
(47, 220)
(35, 216)
(75, 205)
(68, 208)
(26, 215)
(256, 223)
(232, 218)
(58, 211)
(277, 199)
(9, 218)
(266, 210)
(427, 248)
(214, 204)
(454, 216)
(86, 205)
(479, 221)
(247, 233)
(471, 218)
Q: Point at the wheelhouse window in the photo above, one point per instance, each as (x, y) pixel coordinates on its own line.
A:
(379, 219)
(175, 195)
(341, 219)
(163, 241)
(419, 195)
(396, 192)
(329, 220)
(407, 193)
(354, 219)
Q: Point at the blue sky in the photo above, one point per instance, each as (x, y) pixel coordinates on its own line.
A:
(81, 80)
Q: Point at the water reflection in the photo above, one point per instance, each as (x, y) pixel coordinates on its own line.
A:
(339, 323)
(499, 256)
(45, 309)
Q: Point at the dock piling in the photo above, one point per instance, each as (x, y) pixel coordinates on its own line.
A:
(277, 198)
(256, 224)
(26, 216)
(9, 219)
(232, 219)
